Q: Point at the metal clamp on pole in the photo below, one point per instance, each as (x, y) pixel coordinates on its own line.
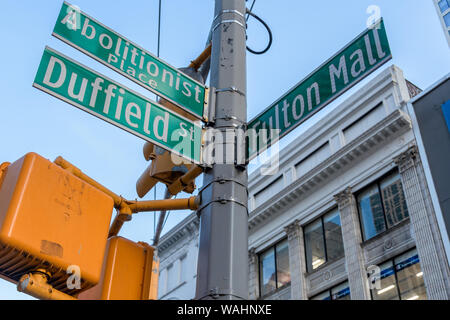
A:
(230, 89)
(222, 180)
(211, 107)
(228, 11)
(222, 200)
(212, 104)
(231, 12)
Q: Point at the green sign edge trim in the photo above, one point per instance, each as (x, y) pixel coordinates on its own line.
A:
(314, 71)
(75, 104)
(319, 107)
(205, 101)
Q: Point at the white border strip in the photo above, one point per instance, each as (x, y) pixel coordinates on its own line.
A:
(98, 115)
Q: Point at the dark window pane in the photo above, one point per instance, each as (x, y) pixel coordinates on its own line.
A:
(322, 296)
(283, 271)
(443, 5)
(447, 19)
(333, 235)
(314, 245)
(393, 199)
(410, 277)
(267, 271)
(388, 286)
(371, 212)
(341, 292)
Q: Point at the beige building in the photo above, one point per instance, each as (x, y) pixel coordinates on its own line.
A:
(348, 215)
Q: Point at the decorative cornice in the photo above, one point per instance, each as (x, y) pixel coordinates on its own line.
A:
(391, 126)
(344, 198)
(189, 227)
(406, 159)
(193, 226)
(293, 229)
(383, 82)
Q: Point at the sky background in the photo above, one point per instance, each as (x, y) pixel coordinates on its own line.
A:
(306, 33)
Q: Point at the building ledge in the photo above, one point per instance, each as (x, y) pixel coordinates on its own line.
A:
(188, 226)
(172, 290)
(387, 129)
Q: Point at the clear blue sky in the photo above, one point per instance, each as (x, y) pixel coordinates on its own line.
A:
(306, 33)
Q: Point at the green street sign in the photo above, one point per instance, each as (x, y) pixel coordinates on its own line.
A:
(369, 51)
(86, 34)
(100, 96)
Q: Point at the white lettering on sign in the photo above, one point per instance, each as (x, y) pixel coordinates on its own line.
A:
(112, 95)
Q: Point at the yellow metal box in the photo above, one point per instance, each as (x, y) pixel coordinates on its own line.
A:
(130, 272)
(50, 219)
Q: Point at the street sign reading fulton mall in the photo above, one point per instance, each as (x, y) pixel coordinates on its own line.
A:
(86, 34)
(357, 60)
(100, 96)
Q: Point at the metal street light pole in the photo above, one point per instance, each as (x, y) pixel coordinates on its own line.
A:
(222, 271)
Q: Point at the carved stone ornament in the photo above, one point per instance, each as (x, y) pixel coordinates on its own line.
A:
(406, 159)
(344, 198)
(292, 229)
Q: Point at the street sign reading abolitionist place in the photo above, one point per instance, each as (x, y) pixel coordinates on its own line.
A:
(358, 59)
(86, 34)
(96, 94)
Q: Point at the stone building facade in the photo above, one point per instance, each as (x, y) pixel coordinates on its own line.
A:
(348, 215)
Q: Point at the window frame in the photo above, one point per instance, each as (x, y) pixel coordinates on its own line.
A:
(330, 289)
(444, 15)
(439, 6)
(324, 241)
(377, 182)
(394, 267)
(260, 285)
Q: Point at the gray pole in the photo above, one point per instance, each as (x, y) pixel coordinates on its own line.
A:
(222, 271)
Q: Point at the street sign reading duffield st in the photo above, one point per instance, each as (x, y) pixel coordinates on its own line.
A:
(86, 34)
(358, 59)
(100, 96)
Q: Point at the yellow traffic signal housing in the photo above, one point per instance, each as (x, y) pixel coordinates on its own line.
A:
(51, 220)
(162, 169)
(130, 272)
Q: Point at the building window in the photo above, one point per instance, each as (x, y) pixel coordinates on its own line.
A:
(339, 292)
(274, 268)
(183, 268)
(162, 287)
(444, 5)
(323, 240)
(447, 19)
(400, 279)
(172, 277)
(382, 205)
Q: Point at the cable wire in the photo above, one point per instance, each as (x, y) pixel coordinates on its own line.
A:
(159, 27)
(268, 30)
(167, 216)
(251, 8)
